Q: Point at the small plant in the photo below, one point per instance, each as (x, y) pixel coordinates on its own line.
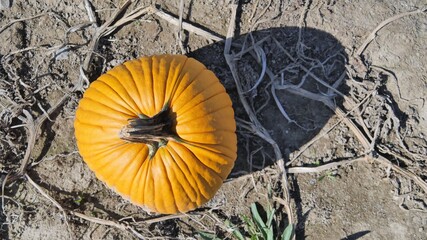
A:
(331, 175)
(78, 200)
(256, 228)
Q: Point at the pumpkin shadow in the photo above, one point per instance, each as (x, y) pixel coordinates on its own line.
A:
(294, 56)
(292, 61)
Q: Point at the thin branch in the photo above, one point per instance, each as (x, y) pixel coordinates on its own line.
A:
(408, 174)
(373, 34)
(100, 32)
(33, 130)
(324, 167)
(187, 26)
(21, 20)
(99, 221)
(307, 145)
(179, 32)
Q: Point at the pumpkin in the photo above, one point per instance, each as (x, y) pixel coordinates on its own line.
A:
(160, 131)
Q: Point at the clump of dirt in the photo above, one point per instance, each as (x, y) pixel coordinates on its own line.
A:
(349, 121)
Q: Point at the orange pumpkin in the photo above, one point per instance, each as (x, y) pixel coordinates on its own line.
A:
(160, 131)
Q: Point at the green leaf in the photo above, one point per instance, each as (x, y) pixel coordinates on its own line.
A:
(270, 217)
(288, 233)
(78, 200)
(251, 228)
(208, 236)
(235, 231)
(266, 232)
(257, 217)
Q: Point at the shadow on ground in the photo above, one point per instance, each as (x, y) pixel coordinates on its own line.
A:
(294, 56)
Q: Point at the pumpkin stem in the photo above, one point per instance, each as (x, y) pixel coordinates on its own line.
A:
(154, 131)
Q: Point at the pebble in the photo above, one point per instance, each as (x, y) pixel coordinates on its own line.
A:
(4, 4)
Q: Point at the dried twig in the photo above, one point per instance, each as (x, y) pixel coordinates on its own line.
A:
(33, 128)
(179, 31)
(164, 218)
(319, 80)
(100, 32)
(406, 173)
(324, 132)
(369, 148)
(42, 192)
(21, 20)
(99, 221)
(90, 12)
(383, 24)
(325, 167)
(120, 226)
(187, 26)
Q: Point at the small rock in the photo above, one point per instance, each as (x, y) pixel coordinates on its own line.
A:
(4, 4)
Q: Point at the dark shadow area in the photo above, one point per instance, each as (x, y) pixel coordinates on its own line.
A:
(295, 57)
(318, 54)
(72, 200)
(356, 236)
(301, 216)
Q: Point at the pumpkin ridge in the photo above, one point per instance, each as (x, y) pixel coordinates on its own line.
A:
(138, 174)
(151, 184)
(142, 191)
(103, 163)
(152, 84)
(91, 124)
(112, 147)
(204, 146)
(168, 180)
(99, 142)
(206, 132)
(208, 162)
(125, 172)
(225, 156)
(210, 138)
(202, 163)
(124, 67)
(183, 174)
(163, 60)
(123, 102)
(156, 64)
(87, 110)
(91, 91)
(187, 121)
(177, 81)
(199, 196)
(113, 109)
(146, 84)
(84, 133)
(157, 195)
(194, 95)
(104, 172)
(113, 82)
(87, 107)
(203, 102)
(116, 177)
(119, 95)
(218, 163)
(210, 188)
(192, 81)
